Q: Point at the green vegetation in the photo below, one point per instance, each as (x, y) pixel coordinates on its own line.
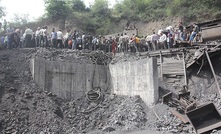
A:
(99, 18)
(2, 12)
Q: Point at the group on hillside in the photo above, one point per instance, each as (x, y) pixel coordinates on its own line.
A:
(164, 39)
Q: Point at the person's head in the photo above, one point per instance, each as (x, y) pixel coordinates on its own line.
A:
(38, 28)
(53, 29)
(154, 33)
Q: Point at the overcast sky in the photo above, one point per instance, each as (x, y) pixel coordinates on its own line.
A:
(34, 8)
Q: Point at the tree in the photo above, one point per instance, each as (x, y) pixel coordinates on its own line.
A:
(78, 5)
(2, 12)
(100, 8)
(101, 15)
(57, 9)
(19, 20)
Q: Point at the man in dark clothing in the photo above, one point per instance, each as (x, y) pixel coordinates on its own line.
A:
(14, 39)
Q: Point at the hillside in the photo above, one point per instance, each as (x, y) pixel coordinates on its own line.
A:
(146, 15)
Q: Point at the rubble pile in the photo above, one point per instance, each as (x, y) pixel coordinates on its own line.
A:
(27, 108)
(68, 55)
(113, 113)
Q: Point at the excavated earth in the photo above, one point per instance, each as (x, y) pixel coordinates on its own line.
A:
(26, 108)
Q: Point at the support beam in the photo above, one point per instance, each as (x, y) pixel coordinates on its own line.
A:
(184, 70)
(212, 69)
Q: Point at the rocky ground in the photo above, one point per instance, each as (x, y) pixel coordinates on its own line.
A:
(27, 108)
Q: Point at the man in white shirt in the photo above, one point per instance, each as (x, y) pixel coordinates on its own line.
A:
(28, 36)
(45, 35)
(162, 40)
(83, 41)
(41, 32)
(125, 41)
(60, 39)
(37, 36)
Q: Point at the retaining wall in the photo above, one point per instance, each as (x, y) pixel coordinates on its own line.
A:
(136, 78)
(69, 80)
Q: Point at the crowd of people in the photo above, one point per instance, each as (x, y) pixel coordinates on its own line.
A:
(164, 39)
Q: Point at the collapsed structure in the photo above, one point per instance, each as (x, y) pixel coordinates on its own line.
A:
(89, 91)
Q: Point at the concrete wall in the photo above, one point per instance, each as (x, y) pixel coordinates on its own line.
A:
(136, 78)
(69, 80)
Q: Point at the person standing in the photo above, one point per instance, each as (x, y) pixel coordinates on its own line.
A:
(125, 41)
(9, 39)
(60, 39)
(37, 37)
(163, 40)
(74, 39)
(195, 31)
(67, 39)
(83, 40)
(54, 38)
(45, 35)
(28, 36)
(114, 47)
(154, 38)
(41, 33)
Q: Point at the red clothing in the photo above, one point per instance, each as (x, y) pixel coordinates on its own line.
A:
(114, 46)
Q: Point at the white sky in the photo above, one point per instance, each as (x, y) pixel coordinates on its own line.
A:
(34, 8)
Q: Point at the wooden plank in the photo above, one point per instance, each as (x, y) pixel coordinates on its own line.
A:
(183, 118)
(184, 70)
(161, 66)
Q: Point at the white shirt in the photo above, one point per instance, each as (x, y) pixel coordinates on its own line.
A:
(28, 31)
(66, 36)
(83, 37)
(41, 32)
(37, 33)
(44, 32)
(148, 38)
(163, 38)
(59, 35)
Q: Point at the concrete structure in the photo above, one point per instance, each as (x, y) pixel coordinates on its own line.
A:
(136, 78)
(69, 80)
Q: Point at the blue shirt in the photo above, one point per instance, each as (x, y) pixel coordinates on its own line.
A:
(53, 35)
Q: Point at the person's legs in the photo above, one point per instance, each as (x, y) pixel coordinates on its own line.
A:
(9, 43)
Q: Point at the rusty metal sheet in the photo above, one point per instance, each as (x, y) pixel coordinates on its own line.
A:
(182, 117)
